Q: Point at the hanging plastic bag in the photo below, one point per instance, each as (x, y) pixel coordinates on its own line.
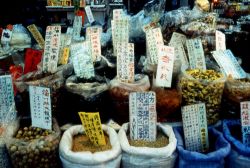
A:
(219, 150)
(20, 37)
(240, 154)
(110, 158)
(41, 151)
(145, 156)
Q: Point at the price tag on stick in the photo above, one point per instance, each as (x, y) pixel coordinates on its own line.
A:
(229, 64)
(142, 116)
(178, 41)
(51, 49)
(196, 54)
(165, 66)
(245, 122)
(89, 14)
(220, 39)
(37, 35)
(40, 107)
(93, 127)
(7, 103)
(195, 127)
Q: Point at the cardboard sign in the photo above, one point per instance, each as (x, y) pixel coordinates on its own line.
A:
(142, 116)
(77, 25)
(32, 59)
(154, 39)
(89, 14)
(229, 64)
(7, 103)
(165, 66)
(93, 127)
(196, 54)
(125, 62)
(220, 40)
(178, 41)
(245, 122)
(37, 35)
(195, 127)
(82, 61)
(51, 50)
(40, 107)
(65, 56)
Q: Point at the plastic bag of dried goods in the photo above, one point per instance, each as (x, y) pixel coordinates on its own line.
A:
(31, 146)
(133, 156)
(203, 86)
(108, 158)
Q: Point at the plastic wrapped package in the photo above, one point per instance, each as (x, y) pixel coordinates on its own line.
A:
(87, 96)
(175, 18)
(168, 103)
(199, 86)
(240, 154)
(54, 81)
(120, 91)
(20, 37)
(236, 91)
(41, 151)
(106, 37)
(110, 158)
(215, 158)
(154, 9)
(146, 156)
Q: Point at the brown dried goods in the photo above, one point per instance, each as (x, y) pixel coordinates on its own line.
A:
(82, 143)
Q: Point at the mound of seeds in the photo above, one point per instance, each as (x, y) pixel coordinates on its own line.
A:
(82, 143)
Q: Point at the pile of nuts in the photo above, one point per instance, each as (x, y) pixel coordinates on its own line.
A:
(34, 147)
(203, 86)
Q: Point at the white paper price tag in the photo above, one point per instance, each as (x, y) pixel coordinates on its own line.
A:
(125, 62)
(82, 61)
(7, 103)
(93, 34)
(229, 64)
(120, 33)
(51, 49)
(154, 40)
(196, 54)
(195, 127)
(142, 116)
(117, 14)
(37, 35)
(245, 122)
(178, 41)
(69, 31)
(89, 14)
(220, 39)
(40, 107)
(165, 66)
(77, 25)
